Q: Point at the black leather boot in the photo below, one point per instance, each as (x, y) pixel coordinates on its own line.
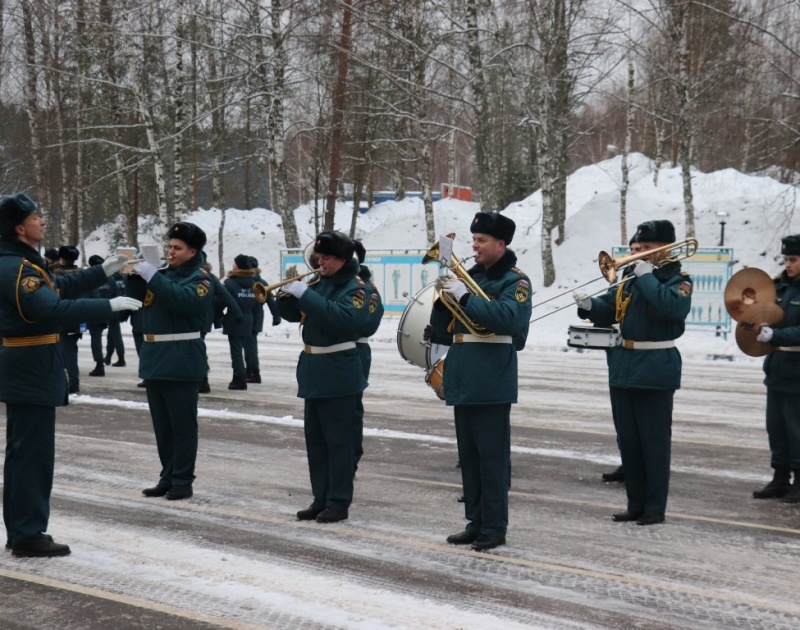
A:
(204, 388)
(793, 496)
(776, 488)
(254, 376)
(238, 382)
(99, 370)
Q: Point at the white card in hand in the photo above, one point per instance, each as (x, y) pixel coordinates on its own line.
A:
(445, 250)
(151, 253)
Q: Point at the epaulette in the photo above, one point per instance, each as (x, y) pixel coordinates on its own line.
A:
(360, 281)
(203, 271)
(685, 274)
(518, 271)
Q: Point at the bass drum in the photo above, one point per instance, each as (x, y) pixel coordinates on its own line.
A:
(593, 337)
(417, 315)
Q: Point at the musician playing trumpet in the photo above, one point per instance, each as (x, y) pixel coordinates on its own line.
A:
(332, 312)
(645, 371)
(480, 378)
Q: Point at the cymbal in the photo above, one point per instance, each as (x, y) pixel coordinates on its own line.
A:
(748, 287)
(753, 316)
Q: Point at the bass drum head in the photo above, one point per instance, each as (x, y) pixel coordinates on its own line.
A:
(416, 316)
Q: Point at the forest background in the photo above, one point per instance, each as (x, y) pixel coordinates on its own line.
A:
(139, 109)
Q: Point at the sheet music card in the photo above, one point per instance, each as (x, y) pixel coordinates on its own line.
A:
(445, 250)
(152, 254)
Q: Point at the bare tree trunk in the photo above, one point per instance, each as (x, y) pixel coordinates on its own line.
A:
(626, 150)
(32, 106)
(180, 118)
(221, 241)
(280, 177)
(214, 89)
(338, 115)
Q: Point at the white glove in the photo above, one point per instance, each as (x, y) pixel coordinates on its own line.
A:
(296, 288)
(764, 335)
(113, 264)
(124, 303)
(145, 269)
(583, 301)
(456, 288)
(642, 267)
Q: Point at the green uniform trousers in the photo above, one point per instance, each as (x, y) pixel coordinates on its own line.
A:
(173, 407)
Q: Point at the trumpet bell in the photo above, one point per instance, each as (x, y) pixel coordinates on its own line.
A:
(260, 291)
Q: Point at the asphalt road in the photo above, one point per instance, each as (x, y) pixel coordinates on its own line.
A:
(233, 556)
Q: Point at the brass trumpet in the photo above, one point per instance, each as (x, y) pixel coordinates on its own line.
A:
(261, 291)
(673, 252)
(456, 266)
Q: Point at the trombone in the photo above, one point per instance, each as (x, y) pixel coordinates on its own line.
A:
(610, 268)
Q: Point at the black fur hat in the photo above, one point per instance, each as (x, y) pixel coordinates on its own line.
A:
(361, 252)
(69, 252)
(244, 262)
(14, 209)
(253, 262)
(96, 260)
(656, 232)
(332, 243)
(790, 245)
(51, 254)
(189, 233)
(494, 224)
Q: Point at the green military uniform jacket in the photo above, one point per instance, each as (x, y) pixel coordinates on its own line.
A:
(375, 308)
(33, 302)
(332, 311)
(486, 373)
(176, 300)
(783, 368)
(657, 306)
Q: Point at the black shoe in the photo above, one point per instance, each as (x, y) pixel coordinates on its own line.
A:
(460, 498)
(310, 513)
(793, 495)
(484, 542)
(99, 369)
(43, 548)
(616, 475)
(176, 493)
(107, 360)
(156, 491)
(74, 389)
(8, 542)
(238, 382)
(650, 519)
(777, 488)
(463, 538)
(331, 516)
(141, 384)
(253, 377)
(119, 363)
(204, 387)
(624, 517)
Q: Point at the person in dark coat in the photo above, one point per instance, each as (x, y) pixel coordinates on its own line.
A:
(333, 309)
(480, 376)
(240, 329)
(51, 257)
(224, 303)
(35, 306)
(364, 351)
(114, 342)
(67, 256)
(782, 370)
(644, 373)
(106, 292)
(173, 361)
(251, 361)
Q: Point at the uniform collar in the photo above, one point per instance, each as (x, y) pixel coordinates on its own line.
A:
(506, 263)
(18, 248)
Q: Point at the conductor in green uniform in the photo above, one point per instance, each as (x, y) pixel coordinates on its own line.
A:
(177, 302)
(332, 312)
(480, 375)
(645, 371)
(34, 307)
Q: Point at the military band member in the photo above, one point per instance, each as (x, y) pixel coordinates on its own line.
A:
(67, 256)
(173, 361)
(645, 371)
(239, 326)
(104, 292)
(34, 305)
(480, 376)
(782, 369)
(364, 350)
(332, 312)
